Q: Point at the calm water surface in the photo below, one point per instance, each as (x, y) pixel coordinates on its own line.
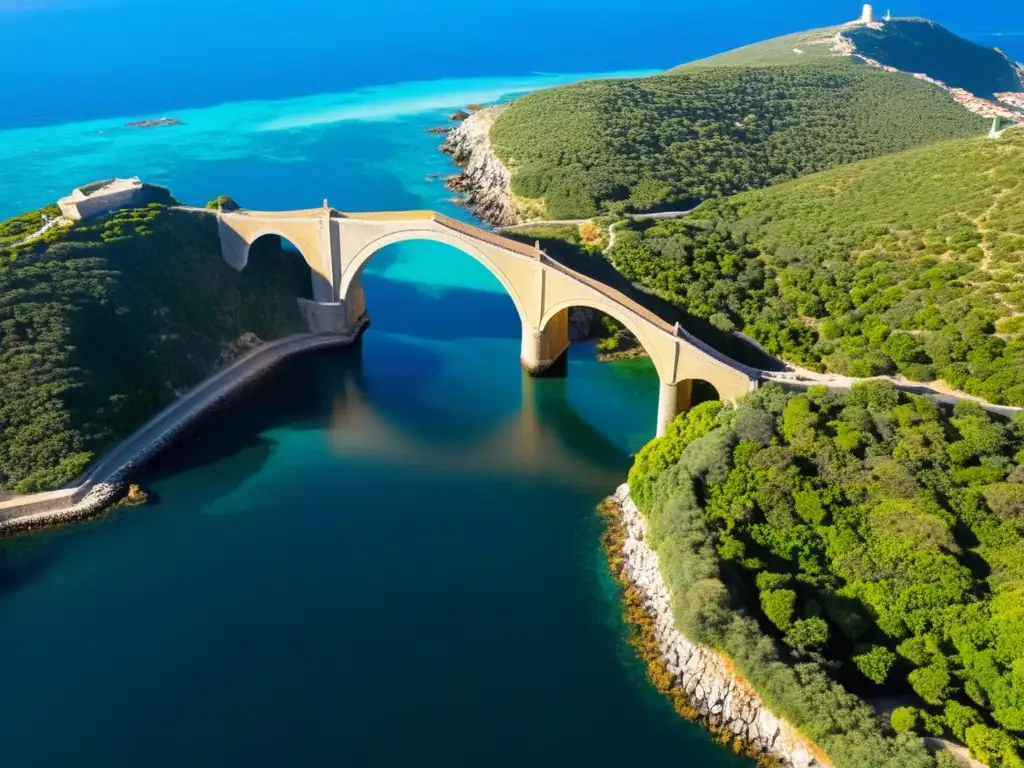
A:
(385, 555)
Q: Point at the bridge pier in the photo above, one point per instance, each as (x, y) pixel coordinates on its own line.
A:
(543, 351)
(337, 317)
(673, 399)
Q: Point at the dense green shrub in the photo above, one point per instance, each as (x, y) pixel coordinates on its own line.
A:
(105, 322)
(876, 663)
(676, 139)
(864, 270)
(879, 557)
(904, 719)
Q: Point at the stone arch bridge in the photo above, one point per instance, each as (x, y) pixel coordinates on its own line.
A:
(337, 246)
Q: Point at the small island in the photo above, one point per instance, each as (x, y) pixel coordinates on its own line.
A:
(154, 123)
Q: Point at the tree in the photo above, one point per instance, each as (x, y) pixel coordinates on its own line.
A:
(876, 663)
(778, 605)
(931, 683)
(904, 719)
(807, 634)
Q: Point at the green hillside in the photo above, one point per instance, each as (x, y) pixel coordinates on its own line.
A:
(672, 140)
(911, 263)
(919, 45)
(866, 538)
(103, 323)
(797, 48)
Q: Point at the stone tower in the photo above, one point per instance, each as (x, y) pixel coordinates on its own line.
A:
(867, 16)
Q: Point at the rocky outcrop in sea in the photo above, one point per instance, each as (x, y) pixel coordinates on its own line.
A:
(720, 697)
(485, 181)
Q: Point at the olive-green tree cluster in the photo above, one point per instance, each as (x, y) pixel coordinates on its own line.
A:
(102, 324)
(676, 139)
(908, 264)
(877, 539)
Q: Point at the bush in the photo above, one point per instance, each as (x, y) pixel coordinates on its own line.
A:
(931, 683)
(959, 718)
(898, 541)
(807, 634)
(876, 663)
(778, 606)
(995, 748)
(904, 719)
(104, 322)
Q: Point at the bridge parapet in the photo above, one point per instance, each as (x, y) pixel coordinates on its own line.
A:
(337, 246)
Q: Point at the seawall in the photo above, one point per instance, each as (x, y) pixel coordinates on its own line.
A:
(717, 694)
(104, 482)
(486, 182)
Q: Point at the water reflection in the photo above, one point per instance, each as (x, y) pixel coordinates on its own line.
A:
(531, 443)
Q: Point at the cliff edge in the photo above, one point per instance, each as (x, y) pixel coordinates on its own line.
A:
(486, 182)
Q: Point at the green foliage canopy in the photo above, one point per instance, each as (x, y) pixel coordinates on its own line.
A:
(880, 562)
(673, 140)
(104, 323)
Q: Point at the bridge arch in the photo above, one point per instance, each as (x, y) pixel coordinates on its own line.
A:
(260, 234)
(662, 366)
(284, 241)
(354, 267)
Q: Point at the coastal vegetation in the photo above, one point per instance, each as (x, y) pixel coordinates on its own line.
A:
(906, 264)
(842, 546)
(794, 48)
(105, 322)
(674, 140)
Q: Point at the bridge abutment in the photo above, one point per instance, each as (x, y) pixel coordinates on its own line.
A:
(543, 351)
(337, 317)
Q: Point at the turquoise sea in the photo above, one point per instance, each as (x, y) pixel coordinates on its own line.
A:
(386, 555)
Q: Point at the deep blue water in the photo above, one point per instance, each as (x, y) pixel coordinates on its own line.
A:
(77, 59)
(386, 555)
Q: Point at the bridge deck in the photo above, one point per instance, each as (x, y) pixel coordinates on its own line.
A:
(519, 248)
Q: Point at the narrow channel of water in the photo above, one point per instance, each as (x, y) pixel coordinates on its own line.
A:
(383, 555)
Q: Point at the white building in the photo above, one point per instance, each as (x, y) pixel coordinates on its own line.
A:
(867, 16)
(101, 197)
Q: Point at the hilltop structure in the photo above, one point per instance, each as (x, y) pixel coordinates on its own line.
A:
(867, 16)
(102, 197)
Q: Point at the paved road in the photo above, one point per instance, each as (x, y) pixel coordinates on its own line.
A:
(659, 215)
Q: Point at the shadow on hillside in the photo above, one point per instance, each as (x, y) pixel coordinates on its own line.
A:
(598, 268)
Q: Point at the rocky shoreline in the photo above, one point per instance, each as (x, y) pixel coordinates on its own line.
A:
(95, 497)
(701, 682)
(486, 182)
